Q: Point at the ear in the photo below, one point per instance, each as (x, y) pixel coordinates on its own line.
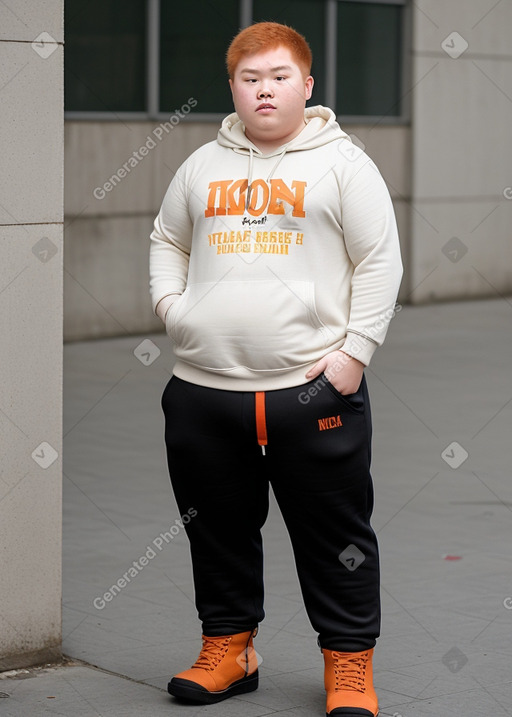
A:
(308, 87)
(231, 85)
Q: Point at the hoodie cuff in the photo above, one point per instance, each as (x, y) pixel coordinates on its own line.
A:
(165, 303)
(359, 347)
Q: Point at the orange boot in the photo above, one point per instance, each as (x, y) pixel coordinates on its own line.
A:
(349, 684)
(226, 666)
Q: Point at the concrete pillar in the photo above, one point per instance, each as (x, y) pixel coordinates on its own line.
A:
(461, 149)
(31, 224)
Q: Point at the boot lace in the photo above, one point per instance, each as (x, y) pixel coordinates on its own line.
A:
(350, 671)
(213, 651)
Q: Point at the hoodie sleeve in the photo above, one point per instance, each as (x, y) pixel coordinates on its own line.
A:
(371, 239)
(170, 243)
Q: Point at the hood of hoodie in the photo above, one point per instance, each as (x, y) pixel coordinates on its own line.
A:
(321, 128)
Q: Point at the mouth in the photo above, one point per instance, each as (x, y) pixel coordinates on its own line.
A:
(265, 107)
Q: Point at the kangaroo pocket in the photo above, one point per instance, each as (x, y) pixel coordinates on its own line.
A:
(262, 325)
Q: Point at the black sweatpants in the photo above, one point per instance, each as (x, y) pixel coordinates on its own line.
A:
(317, 459)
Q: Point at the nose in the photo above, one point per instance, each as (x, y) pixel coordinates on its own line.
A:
(265, 92)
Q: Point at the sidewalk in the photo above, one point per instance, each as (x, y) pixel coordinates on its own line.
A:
(441, 391)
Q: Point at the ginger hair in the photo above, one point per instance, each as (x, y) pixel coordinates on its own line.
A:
(263, 36)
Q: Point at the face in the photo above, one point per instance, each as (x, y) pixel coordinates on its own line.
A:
(269, 93)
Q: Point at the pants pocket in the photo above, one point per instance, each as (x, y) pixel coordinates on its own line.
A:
(353, 401)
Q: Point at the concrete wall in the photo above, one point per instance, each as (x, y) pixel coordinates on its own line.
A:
(107, 232)
(31, 137)
(461, 150)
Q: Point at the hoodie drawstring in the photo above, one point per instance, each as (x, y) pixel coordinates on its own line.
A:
(249, 178)
(261, 420)
(250, 172)
(276, 165)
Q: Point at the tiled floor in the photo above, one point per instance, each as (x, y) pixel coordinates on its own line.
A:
(444, 524)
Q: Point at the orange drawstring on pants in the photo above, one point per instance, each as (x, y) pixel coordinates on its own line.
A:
(261, 421)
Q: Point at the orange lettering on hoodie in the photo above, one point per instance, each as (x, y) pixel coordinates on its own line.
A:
(222, 185)
(237, 206)
(252, 208)
(298, 207)
(280, 192)
(229, 197)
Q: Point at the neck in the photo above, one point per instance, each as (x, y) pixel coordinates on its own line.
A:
(267, 146)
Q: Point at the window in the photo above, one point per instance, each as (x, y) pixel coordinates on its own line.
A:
(105, 55)
(194, 37)
(309, 18)
(146, 58)
(368, 59)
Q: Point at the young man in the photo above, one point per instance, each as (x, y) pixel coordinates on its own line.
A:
(275, 266)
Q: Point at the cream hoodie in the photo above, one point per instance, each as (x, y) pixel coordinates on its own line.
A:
(268, 281)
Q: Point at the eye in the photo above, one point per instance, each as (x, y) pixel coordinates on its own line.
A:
(280, 77)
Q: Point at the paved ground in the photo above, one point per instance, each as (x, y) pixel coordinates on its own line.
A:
(441, 393)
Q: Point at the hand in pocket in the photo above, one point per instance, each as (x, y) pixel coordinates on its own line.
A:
(343, 371)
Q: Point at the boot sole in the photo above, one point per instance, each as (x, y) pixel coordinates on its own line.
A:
(350, 712)
(193, 692)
